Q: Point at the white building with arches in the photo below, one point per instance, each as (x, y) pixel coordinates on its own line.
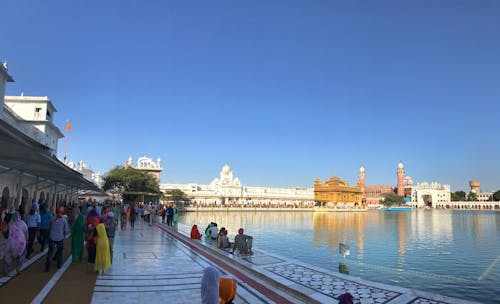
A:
(430, 194)
(227, 190)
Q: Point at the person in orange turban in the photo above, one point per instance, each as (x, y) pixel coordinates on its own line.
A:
(227, 290)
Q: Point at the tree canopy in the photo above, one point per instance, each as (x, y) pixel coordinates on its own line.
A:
(495, 196)
(176, 196)
(458, 196)
(472, 197)
(392, 199)
(128, 179)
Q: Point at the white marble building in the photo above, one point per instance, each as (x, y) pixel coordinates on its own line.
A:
(425, 194)
(33, 116)
(4, 77)
(228, 190)
(87, 173)
(147, 164)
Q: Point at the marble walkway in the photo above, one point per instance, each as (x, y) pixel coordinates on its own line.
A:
(150, 266)
(155, 264)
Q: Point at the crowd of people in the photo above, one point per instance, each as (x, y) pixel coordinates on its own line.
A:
(92, 227)
(149, 212)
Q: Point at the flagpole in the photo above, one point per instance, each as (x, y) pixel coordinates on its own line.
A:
(66, 141)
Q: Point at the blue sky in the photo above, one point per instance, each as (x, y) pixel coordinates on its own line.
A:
(282, 91)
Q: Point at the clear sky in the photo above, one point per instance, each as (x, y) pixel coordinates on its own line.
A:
(282, 91)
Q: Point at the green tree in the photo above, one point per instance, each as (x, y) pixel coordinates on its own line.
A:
(472, 197)
(128, 179)
(458, 196)
(178, 197)
(495, 196)
(392, 199)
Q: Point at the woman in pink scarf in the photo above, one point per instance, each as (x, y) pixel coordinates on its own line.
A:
(16, 242)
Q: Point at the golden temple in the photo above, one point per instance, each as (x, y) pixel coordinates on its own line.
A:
(336, 190)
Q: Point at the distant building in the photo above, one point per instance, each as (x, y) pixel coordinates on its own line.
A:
(425, 194)
(374, 194)
(4, 77)
(335, 191)
(475, 187)
(33, 116)
(227, 190)
(147, 164)
(87, 173)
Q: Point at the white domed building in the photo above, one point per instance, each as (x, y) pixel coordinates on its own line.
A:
(227, 190)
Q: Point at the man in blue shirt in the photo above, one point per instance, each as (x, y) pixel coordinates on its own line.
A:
(170, 215)
(46, 216)
(58, 228)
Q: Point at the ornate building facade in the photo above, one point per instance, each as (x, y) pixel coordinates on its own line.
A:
(430, 194)
(227, 190)
(335, 191)
(147, 164)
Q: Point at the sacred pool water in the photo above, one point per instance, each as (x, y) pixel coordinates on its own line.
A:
(454, 253)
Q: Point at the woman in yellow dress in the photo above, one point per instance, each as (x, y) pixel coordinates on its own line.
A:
(103, 256)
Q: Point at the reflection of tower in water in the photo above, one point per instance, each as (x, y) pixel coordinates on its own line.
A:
(335, 227)
(401, 233)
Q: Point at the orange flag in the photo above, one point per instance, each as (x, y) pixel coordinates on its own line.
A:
(68, 126)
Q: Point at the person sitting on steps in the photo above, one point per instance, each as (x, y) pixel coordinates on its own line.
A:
(222, 239)
(243, 243)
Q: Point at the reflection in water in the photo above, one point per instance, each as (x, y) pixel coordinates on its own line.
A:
(343, 268)
(431, 250)
(339, 227)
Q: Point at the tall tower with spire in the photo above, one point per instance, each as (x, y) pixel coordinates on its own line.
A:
(401, 179)
(361, 182)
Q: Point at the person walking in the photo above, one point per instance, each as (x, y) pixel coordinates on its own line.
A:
(45, 217)
(133, 216)
(77, 238)
(110, 225)
(58, 228)
(103, 256)
(170, 215)
(17, 232)
(163, 214)
(91, 242)
(175, 217)
(33, 222)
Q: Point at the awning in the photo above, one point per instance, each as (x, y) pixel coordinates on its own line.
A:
(20, 152)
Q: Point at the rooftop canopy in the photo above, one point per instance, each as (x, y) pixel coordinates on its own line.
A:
(20, 152)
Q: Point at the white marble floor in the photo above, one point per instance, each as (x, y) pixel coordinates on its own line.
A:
(149, 266)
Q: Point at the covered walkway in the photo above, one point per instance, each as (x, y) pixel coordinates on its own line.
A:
(29, 173)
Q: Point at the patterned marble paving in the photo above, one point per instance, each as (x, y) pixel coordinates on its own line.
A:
(262, 260)
(426, 301)
(333, 286)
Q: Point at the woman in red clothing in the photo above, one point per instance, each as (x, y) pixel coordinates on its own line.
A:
(195, 234)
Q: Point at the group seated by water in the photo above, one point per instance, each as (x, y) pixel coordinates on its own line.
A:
(242, 244)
